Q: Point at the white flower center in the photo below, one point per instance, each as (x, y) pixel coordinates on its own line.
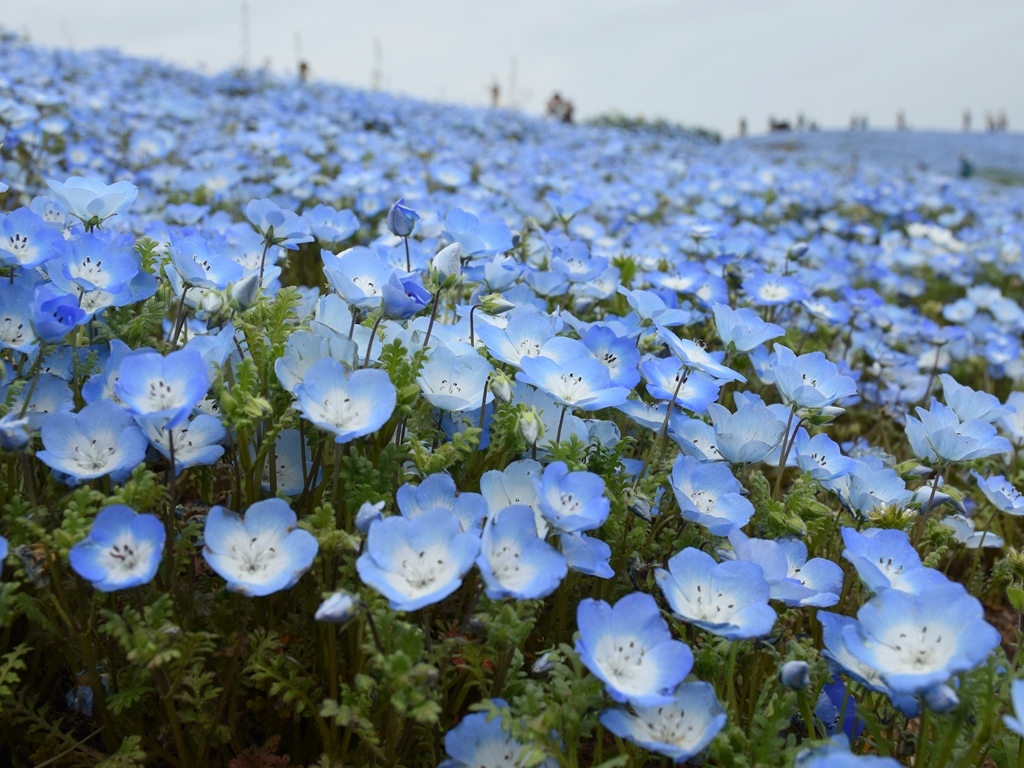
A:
(93, 456)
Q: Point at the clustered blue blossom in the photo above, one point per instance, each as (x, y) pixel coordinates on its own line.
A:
(660, 426)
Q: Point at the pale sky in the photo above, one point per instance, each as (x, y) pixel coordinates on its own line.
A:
(699, 62)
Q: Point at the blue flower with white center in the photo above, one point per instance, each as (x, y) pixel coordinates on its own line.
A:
(821, 457)
(54, 314)
(617, 353)
(1001, 494)
(99, 440)
(514, 561)
(92, 264)
(358, 275)
(809, 381)
(404, 297)
(583, 383)
(550, 413)
(695, 438)
(16, 329)
(970, 404)
(885, 559)
(27, 241)
(917, 642)
(419, 562)
(438, 490)
(747, 436)
(678, 730)
(842, 661)
(303, 349)
(793, 579)
(668, 380)
(629, 648)
(276, 225)
(1016, 722)
(652, 309)
(768, 290)
(261, 553)
(742, 328)
(571, 501)
(709, 494)
(455, 382)
(870, 486)
(199, 266)
(693, 355)
(91, 201)
(329, 225)
(839, 756)
(566, 206)
(523, 335)
(587, 555)
(940, 436)
(168, 387)
(729, 599)
(196, 442)
(477, 238)
(572, 260)
(100, 385)
(479, 742)
(347, 404)
(52, 395)
(123, 549)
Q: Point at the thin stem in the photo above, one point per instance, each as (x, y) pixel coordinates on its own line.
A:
(483, 405)
(179, 318)
(784, 452)
(263, 259)
(38, 367)
(433, 315)
(561, 420)
(472, 337)
(662, 438)
(408, 258)
(373, 335)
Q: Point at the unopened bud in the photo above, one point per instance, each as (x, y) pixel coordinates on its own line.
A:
(530, 426)
(447, 265)
(212, 302)
(245, 291)
(338, 608)
(795, 675)
(941, 699)
(501, 386)
(494, 304)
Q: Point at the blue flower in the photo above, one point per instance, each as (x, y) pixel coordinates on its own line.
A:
(16, 330)
(693, 355)
(747, 436)
(14, 431)
(1001, 494)
(617, 353)
(169, 387)
(514, 561)
(349, 405)
(587, 555)
(668, 380)
(809, 381)
(477, 742)
(416, 563)
(276, 225)
(92, 201)
(742, 328)
(54, 314)
(970, 404)
(122, 550)
(573, 261)
(329, 225)
(582, 383)
(292, 458)
(401, 219)
(709, 494)
(1016, 722)
(358, 275)
(793, 579)
(941, 437)
(27, 241)
(196, 442)
(821, 457)
(455, 382)
(729, 599)
(198, 265)
(767, 290)
(629, 648)
(917, 642)
(839, 756)
(885, 559)
(525, 332)
(438, 490)
(571, 501)
(99, 440)
(3, 553)
(679, 730)
(337, 608)
(477, 238)
(261, 553)
(404, 297)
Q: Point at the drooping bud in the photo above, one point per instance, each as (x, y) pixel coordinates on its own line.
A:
(494, 304)
(338, 608)
(244, 292)
(795, 675)
(447, 265)
(401, 219)
(501, 386)
(530, 426)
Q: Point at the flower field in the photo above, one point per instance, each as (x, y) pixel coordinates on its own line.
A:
(343, 429)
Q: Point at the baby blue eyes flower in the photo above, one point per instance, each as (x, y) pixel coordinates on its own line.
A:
(349, 405)
(1015, 722)
(27, 241)
(629, 648)
(1001, 494)
(885, 559)
(795, 675)
(418, 562)
(358, 275)
(940, 436)
(92, 201)
(679, 730)
(438, 490)
(198, 265)
(970, 404)
(54, 314)
(477, 238)
(477, 742)
(729, 599)
(917, 642)
(99, 440)
(514, 561)
(278, 226)
(667, 380)
(401, 219)
(742, 328)
(839, 756)
(14, 431)
(809, 381)
(821, 457)
(582, 383)
(122, 550)
(572, 501)
(168, 387)
(337, 608)
(261, 553)
(709, 494)
(454, 382)
(748, 435)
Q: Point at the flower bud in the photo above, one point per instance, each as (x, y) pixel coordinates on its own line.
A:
(795, 675)
(501, 386)
(245, 291)
(530, 426)
(367, 514)
(941, 699)
(447, 265)
(338, 608)
(641, 507)
(543, 664)
(797, 250)
(401, 219)
(212, 302)
(494, 304)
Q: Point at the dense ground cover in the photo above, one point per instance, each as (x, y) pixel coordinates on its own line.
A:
(597, 448)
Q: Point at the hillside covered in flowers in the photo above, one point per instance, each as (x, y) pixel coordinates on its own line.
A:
(343, 429)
